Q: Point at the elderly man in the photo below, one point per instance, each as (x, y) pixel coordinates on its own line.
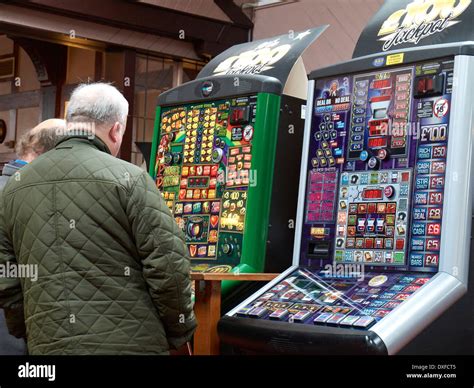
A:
(113, 270)
(33, 143)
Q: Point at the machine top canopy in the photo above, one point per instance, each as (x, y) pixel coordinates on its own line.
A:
(273, 57)
(403, 24)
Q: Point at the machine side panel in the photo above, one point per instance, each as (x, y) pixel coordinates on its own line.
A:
(455, 240)
(259, 193)
(285, 185)
(154, 146)
(303, 174)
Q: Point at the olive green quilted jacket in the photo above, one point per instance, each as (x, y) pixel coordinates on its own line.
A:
(113, 269)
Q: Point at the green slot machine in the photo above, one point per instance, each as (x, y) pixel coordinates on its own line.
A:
(226, 151)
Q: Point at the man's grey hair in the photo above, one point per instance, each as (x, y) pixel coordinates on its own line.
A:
(98, 103)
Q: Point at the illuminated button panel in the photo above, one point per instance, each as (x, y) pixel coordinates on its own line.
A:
(316, 298)
(428, 197)
(380, 113)
(321, 192)
(372, 218)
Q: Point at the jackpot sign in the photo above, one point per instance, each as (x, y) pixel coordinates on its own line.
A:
(271, 57)
(254, 61)
(420, 19)
(264, 55)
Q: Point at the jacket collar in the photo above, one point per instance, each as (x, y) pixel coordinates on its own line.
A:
(93, 141)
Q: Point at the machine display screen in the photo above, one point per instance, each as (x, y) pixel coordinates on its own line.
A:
(203, 168)
(376, 169)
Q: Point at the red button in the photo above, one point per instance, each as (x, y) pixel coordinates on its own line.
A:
(400, 244)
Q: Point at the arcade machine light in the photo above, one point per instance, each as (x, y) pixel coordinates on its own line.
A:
(382, 239)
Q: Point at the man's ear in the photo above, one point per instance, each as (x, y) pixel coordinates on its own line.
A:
(115, 132)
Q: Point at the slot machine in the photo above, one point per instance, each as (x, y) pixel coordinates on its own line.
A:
(225, 155)
(382, 243)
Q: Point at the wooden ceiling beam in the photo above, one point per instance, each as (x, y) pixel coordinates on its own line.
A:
(215, 35)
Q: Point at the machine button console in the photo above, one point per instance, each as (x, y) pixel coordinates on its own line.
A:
(227, 249)
(217, 155)
(389, 191)
(364, 322)
(168, 159)
(177, 158)
(373, 162)
(382, 154)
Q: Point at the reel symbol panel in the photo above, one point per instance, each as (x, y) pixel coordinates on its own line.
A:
(373, 217)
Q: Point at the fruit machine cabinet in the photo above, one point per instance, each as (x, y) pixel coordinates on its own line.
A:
(383, 236)
(226, 150)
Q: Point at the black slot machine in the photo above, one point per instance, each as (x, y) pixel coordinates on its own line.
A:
(382, 244)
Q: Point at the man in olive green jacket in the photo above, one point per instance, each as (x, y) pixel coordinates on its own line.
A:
(112, 270)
